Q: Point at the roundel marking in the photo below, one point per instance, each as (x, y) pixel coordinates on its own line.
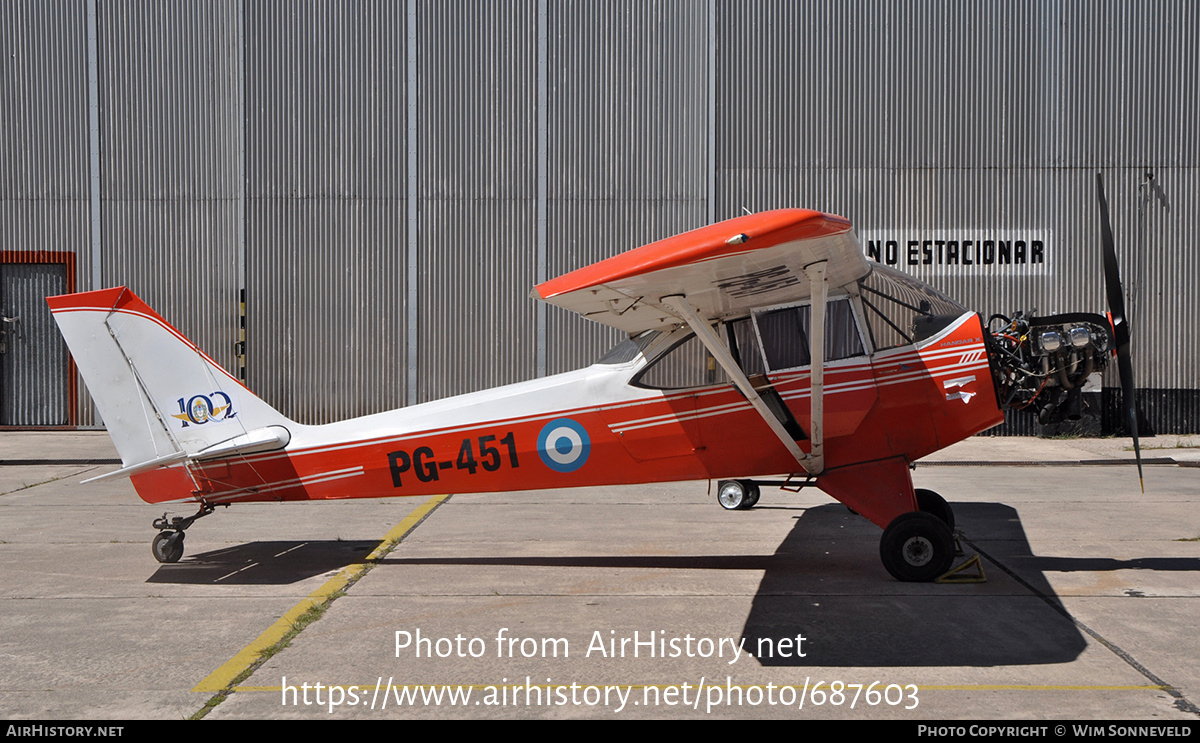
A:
(564, 445)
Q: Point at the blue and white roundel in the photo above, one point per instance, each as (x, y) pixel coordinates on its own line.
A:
(564, 445)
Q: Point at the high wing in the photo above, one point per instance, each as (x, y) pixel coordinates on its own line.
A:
(720, 272)
(724, 270)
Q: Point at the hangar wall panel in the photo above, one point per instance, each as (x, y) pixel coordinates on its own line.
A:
(265, 145)
(627, 140)
(44, 167)
(325, 206)
(477, 185)
(325, 315)
(942, 120)
(43, 102)
(170, 137)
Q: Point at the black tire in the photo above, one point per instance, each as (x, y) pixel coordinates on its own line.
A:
(752, 495)
(917, 547)
(167, 546)
(731, 494)
(930, 502)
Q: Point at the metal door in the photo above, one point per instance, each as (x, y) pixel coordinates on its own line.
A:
(33, 357)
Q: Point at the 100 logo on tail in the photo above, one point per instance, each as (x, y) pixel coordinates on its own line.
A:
(199, 409)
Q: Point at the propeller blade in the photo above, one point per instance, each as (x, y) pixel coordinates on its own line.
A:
(1116, 306)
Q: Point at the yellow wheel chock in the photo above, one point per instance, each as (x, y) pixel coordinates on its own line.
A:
(952, 575)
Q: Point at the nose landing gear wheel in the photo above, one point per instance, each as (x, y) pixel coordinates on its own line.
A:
(917, 547)
(167, 546)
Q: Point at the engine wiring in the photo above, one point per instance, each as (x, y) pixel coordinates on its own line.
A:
(1043, 363)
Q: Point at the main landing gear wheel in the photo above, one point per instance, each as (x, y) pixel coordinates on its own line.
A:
(932, 503)
(917, 547)
(752, 495)
(737, 495)
(167, 546)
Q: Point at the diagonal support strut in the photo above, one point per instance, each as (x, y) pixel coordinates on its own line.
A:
(812, 465)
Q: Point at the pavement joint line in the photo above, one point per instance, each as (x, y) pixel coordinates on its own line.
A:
(1181, 702)
(245, 661)
(66, 461)
(1147, 462)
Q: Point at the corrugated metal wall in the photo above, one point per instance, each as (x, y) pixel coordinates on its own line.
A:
(170, 126)
(941, 117)
(628, 132)
(43, 117)
(387, 180)
(44, 172)
(326, 224)
(477, 189)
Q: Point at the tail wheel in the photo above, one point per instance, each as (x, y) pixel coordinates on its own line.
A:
(932, 503)
(167, 546)
(917, 547)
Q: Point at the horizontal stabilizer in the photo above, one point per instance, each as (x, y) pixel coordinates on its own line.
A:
(134, 469)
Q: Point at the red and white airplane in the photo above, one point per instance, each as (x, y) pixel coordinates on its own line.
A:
(727, 374)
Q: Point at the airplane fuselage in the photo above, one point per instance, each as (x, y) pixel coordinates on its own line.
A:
(594, 427)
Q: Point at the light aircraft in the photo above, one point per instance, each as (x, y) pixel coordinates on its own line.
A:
(727, 374)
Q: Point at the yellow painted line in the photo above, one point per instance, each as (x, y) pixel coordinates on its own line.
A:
(221, 678)
(1045, 687)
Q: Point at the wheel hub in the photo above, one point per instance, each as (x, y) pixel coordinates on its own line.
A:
(918, 551)
(731, 495)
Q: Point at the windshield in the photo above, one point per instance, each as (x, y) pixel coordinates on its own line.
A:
(901, 310)
(628, 350)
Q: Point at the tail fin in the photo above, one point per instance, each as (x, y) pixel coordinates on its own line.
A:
(162, 399)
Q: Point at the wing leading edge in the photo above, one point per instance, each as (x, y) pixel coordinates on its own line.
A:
(724, 270)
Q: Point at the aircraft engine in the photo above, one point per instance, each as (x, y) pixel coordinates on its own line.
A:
(1043, 363)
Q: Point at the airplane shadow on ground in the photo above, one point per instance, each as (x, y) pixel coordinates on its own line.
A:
(824, 582)
(814, 593)
(263, 563)
(1012, 619)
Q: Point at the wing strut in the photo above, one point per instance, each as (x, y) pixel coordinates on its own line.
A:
(816, 377)
(812, 465)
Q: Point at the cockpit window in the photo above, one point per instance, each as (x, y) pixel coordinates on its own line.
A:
(688, 364)
(785, 337)
(745, 346)
(785, 334)
(901, 310)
